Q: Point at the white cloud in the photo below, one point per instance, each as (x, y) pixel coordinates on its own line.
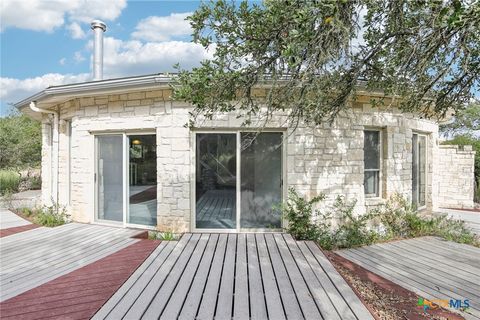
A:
(78, 57)
(62, 61)
(87, 10)
(76, 31)
(13, 90)
(156, 28)
(47, 15)
(123, 58)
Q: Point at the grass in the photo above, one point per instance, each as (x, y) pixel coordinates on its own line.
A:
(9, 181)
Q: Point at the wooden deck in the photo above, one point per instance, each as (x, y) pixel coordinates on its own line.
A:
(9, 219)
(34, 257)
(78, 295)
(431, 267)
(240, 276)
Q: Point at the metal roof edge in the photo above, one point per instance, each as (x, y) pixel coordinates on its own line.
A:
(95, 86)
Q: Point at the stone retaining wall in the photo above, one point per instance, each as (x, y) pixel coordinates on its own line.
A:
(455, 176)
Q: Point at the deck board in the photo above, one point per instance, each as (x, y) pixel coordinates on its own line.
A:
(430, 267)
(38, 256)
(235, 276)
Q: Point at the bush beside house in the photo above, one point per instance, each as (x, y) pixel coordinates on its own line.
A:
(397, 219)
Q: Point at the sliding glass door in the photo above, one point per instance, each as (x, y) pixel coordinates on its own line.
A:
(261, 180)
(216, 180)
(142, 186)
(240, 167)
(126, 179)
(109, 177)
(419, 169)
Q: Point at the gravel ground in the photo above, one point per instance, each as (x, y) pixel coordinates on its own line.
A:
(385, 299)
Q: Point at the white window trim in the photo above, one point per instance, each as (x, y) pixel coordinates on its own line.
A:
(380, 165)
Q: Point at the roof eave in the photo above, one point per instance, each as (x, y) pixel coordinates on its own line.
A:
(97, 87)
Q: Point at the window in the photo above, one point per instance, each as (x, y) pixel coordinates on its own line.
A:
(372, 161)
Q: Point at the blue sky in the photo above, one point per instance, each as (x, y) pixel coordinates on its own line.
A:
(49, 42)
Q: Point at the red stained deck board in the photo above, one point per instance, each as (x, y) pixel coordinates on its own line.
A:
(13, 230)
(81, 293)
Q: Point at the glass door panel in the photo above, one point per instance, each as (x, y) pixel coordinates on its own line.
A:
(422, 169)
(415, 169)
(419, 169)
(215, 181)
(109, 177)
(142, 173)
(261, 180)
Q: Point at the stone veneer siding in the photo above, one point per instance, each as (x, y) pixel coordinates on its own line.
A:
(456, 176)
(327, 159)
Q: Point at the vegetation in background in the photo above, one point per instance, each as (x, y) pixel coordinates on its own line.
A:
(48, 216)
(20, 142)
(314, 52)
(9, 181)
(396, 219)
(13, 181)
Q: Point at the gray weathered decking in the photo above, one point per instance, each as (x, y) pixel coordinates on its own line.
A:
(240, 276)
(34, 257)
(431, 267)
(9, 219)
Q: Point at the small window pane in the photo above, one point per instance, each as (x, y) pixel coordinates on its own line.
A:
(372, 150)
(371, 181)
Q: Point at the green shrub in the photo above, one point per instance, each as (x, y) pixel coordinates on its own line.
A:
(353, 230)
(9, 181)
(394, 220)
(392, 217)
(299, 212)
(50, 216)
(164, 236)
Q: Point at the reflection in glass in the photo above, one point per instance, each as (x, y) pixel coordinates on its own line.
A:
(142, 180)
(110, 177)
(215, 181)
(261, 180)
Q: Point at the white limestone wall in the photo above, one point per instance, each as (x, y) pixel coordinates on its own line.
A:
(327, 159)
(455, 176)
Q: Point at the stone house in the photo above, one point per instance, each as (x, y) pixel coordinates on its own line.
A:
(117, 152)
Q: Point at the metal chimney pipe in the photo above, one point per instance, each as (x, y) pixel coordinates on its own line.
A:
(98, 28)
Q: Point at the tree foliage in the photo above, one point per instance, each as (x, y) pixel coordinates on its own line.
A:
(310, 55)
(20, 142)
(466, 121)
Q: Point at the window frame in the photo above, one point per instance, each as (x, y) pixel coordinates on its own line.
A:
(380, 164)
(425, 174)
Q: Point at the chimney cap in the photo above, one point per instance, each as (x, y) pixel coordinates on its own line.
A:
(98, 24)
